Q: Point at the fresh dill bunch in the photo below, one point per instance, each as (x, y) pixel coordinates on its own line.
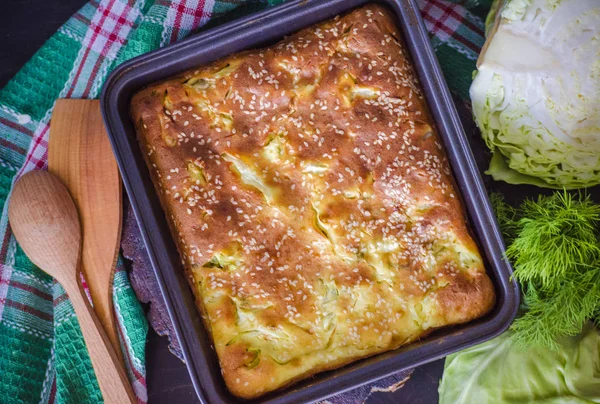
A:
(557, 237)
(507, 217)
(556, 257)
(563, 312)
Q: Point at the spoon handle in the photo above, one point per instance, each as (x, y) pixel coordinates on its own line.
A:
(110, 372)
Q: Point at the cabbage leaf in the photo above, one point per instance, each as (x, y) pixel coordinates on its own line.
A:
(500, 371)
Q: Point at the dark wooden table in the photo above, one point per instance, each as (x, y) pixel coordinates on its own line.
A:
(24, 26)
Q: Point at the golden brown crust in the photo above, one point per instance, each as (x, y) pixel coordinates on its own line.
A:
(311, 202)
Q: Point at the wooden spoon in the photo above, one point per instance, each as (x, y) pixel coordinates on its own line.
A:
(44, 221)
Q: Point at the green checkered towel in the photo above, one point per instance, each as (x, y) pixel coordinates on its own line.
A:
(42, 353)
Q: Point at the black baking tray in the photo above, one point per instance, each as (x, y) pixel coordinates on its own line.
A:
(265, 28)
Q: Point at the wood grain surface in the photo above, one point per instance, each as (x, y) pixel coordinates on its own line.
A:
(80, 155)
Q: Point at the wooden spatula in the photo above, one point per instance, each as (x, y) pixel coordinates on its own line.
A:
(80, 156)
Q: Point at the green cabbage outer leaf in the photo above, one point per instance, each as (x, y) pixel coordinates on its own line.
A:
(491, 17)
(500, 372)
(536, 94)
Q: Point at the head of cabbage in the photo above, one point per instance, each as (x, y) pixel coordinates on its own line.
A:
(536, 93)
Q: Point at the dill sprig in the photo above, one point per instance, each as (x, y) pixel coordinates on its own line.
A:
(563, 312)
(555, 250)
(557, 236)
(507, 217)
